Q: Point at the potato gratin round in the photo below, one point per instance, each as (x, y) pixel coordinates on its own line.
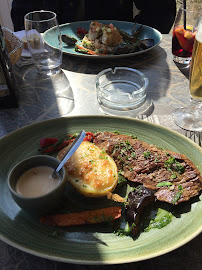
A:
(90, 170)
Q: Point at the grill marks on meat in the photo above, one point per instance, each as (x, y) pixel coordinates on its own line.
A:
(146, 164)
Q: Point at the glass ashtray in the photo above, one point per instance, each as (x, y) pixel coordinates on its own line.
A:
(121, 88)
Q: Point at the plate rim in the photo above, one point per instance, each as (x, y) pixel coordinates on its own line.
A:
(103, 262)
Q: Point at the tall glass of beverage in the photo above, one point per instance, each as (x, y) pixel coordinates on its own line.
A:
(190, 118)
(39, 25)
(184, 32)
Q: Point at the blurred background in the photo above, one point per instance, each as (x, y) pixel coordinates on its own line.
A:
(5, 11)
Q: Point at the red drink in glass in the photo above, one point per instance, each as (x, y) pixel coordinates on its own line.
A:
(183, 41)
(184, 32)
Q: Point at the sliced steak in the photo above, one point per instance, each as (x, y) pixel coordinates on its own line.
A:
(172, 175)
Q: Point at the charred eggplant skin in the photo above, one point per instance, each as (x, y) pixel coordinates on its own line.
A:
(70, 41)
(137, 200)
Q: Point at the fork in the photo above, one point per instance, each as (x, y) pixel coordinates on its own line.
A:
(195, 136)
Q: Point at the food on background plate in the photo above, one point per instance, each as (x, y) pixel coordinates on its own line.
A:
(152, 175)
(81, 32)
(90, 170)
(104, 39)
(108, 34)
(68, 40)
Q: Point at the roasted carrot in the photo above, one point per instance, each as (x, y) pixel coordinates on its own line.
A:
(85, 217)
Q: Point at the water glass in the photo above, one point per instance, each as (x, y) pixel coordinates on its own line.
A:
(47, 59)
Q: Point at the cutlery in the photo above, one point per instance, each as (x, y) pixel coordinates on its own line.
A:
(74, 146)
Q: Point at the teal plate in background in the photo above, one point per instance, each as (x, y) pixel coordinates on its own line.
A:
(92, 244)
(71, 30)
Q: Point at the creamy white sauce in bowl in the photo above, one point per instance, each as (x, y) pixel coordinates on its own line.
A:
(32, 187)
(37, 181)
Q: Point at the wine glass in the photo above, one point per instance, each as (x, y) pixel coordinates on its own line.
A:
(38, 26)
(190, 118)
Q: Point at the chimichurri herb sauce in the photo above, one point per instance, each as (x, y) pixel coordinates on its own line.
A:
(161, 219)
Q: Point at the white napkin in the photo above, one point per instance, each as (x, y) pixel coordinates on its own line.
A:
(25, 56)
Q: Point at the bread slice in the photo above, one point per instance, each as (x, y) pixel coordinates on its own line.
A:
(34, 41)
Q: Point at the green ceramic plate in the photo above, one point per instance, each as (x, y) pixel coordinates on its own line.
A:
(71, 30)
(95, 244)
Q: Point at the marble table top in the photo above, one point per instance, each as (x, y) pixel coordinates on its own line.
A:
(72, 92)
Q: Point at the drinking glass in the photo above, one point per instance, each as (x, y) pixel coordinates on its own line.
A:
(184, 32)
(47, 59)
(190, 118)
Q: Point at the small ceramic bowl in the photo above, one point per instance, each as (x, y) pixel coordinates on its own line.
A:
(44, 203)
(121, 88)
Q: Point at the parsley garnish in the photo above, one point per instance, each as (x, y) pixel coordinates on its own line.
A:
(178, 194)
(164, 184)
(172, 164)
(133, 155)
(146, 154)
(173, 176)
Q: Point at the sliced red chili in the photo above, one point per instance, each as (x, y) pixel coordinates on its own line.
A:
(48, 150)
(89, 136)
(64, 144)
(51, 145)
